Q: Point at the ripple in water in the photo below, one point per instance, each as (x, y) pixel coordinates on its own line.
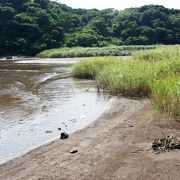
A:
(35, 98)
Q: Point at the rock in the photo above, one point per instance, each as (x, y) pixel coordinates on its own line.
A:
(59, 129)
(84, 104)
(74, 151)
(9, 57)
(48, 131)
(64, 135)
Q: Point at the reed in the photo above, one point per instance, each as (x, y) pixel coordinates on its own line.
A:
(165, 94)
(157, 79)
(162, 53)
(92, 51)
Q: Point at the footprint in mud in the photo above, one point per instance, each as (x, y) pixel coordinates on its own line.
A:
(64, 125)
(73, 120)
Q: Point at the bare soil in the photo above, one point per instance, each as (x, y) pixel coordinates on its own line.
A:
(117, 146)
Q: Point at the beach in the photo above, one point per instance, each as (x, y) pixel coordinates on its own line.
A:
(115, 146)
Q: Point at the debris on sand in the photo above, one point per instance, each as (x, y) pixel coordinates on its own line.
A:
(165, 144)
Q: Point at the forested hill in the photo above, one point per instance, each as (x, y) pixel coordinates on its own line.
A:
(30, 26)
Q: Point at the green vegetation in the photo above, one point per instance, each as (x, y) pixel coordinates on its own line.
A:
(161, 53)
(157, 78)
(92, 52)
(28, 27)
(166, 94)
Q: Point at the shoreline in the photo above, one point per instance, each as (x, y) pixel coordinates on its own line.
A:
(34, 147)
(117, 145)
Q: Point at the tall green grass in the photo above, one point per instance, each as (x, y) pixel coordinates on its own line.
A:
(89, 69)
(165, 94)
(92, 51)
(161, 53)
(157, 79)
(128, 78)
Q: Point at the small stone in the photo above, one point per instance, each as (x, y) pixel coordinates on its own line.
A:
(59, 129)
(74, 151)
(64, 135)
(48, 131)
(21, 119)
(84, 104)
(131, 126)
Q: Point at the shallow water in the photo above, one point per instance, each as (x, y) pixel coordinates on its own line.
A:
(38, 98)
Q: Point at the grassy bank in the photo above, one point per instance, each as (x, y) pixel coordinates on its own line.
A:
(92, 52)
(155, 77)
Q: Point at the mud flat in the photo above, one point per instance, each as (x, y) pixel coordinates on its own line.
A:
(115, 146)
(39, 100)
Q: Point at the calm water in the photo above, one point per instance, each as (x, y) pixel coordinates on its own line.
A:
(37, 98)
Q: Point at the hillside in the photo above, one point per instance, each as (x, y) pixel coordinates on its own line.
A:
(30, 26)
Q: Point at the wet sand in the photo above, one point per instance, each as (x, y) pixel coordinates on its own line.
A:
(37, 99)
(116, 146)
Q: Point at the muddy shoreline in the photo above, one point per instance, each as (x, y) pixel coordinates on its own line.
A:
(37, 98)
(116, 146)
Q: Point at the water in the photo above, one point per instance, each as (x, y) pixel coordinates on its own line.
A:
(39, 97)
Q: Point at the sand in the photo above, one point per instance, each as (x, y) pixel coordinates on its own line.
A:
(117, 146)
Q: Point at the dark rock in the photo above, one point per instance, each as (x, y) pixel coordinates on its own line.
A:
(59, 129)
(9, 57)
(74, 151)
(64, 135)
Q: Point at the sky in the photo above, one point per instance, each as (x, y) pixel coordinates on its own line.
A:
(118, 4)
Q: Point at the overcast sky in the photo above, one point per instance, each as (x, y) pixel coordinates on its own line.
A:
(118, 4)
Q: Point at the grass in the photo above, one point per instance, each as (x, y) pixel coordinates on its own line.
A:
(127, 78)
(157, 78)
(89, 69)
(92, 51)
(162, 53)
(166, 94)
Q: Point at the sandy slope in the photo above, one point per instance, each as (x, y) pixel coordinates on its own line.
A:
(116, 146)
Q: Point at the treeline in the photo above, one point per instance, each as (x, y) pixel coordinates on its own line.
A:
(30, 26)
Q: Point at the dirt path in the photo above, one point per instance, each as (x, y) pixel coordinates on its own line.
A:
(115, 147)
